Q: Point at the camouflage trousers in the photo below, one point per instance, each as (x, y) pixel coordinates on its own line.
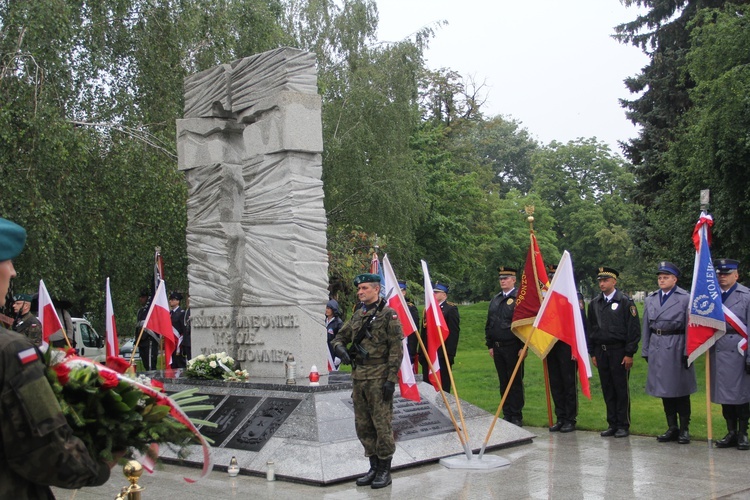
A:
(373, 418)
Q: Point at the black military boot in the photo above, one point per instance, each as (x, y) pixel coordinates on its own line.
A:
(672, 432)
(370, 476)
(742, 442)
(731, 438)
(383, 475)
(684, 433)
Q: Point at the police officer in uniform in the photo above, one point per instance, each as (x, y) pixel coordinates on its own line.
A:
(453, 322)
(177, 315)
(149, 344)
(664, 328)
(730, 381)
(374, 331)
(37, 447)
(613, 335)
(26, 323)
(562, 379)
(504, 347)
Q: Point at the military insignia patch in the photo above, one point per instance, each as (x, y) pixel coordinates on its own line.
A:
(615, 305)
(395, 316)
(510, 301)
(633, 311)
(27, 356)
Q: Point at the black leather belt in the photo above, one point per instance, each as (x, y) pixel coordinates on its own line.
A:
(506, 343)
(658, 331)
(617, 345)
(371, 361)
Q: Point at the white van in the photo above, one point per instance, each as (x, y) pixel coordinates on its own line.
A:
(88, 342)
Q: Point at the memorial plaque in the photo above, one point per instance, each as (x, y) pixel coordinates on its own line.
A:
(213, 399)
(228, 416)
(263, 424)
(413, 420)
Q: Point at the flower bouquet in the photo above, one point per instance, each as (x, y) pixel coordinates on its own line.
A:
(111, 412)
(215, 366)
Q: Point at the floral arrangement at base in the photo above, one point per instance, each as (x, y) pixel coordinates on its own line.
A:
(112, 412)
(215, 366)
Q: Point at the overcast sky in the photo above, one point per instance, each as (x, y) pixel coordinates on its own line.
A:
(550, 64)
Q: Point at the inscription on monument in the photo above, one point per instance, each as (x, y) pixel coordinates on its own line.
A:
(263, 424)
(228, 416)
(413, 420)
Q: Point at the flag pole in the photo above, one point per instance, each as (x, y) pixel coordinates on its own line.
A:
(453, 383)
(507, 391)
(705, 196)
(145, 322)
(547, 391)
(464, 442)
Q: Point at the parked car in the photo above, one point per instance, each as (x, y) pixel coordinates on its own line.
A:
(88, 342)
(127, 348)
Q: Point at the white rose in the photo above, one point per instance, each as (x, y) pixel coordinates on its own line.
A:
(213, 364)
(200, 357)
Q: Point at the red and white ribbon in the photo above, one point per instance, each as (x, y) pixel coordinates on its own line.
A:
(738, 326)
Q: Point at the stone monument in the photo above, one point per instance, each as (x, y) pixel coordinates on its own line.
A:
(250, 145)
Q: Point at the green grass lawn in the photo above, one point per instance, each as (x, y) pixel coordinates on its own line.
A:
(476, 381)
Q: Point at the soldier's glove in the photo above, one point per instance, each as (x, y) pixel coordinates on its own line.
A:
(341, 353)
(388, 389)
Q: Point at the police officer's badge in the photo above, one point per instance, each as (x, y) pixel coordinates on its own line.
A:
(510, 301)
(633, 311)
(615, 305)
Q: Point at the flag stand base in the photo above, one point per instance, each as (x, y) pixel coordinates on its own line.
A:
(485, 463)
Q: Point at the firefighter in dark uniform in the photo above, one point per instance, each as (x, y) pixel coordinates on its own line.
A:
(562, 379)
(374, 331)
(504, 347)
(613, 335)
(37, 446)
(453, 321)
(26, 323)
(412, 342)
(730, 379)
(664, 329)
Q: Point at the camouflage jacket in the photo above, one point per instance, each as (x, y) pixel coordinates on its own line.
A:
(29, 325)
(384, 348)
(37, 448)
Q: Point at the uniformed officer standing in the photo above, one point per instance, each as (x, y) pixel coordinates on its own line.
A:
(26, 323)
(664, 328)
(177, 314)
(37, 448)
(453, 322)
(411, 341)
(504, 347)
(148, 348)
(374, 331)
(562, 379)
(613, 335)
(730, 382)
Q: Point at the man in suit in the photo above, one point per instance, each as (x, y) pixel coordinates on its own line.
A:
(664, 328)
(504, 347)
(730, 381)
(613, 335)
(453, 321)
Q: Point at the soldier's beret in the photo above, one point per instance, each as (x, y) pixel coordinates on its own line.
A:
(23, 297)
(366, 278)
(607, 272)
(669, 268)
(506, 271)
(12, 239)
(440, 287)
(726, 266)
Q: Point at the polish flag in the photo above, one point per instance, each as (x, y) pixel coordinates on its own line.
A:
(158, 320)
(560, 316)
(435, 324)
(406, 381)
(47, 315)
(112, 345)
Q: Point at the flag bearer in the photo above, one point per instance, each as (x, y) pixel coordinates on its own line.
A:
(664, 327)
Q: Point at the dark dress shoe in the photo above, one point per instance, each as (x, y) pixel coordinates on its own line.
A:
(556, 427)
(672, 434)
(516, 421)
(568, 427)
(727, 441)
(684, 437)
(622, 433)
(608, 433)
(742, 442)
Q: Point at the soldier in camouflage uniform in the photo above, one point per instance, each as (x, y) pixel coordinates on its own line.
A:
(26, 323)
(37, 448)
(375, 327)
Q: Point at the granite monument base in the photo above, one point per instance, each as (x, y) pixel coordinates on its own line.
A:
(308, 434)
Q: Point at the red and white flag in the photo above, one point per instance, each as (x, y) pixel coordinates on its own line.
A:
(406, 381)
(435, 324)
(159, 321)
(47, 315)
(560, 316)
(113, 346)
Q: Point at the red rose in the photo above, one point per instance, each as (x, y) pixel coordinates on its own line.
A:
(63, 373)
(109, 379)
